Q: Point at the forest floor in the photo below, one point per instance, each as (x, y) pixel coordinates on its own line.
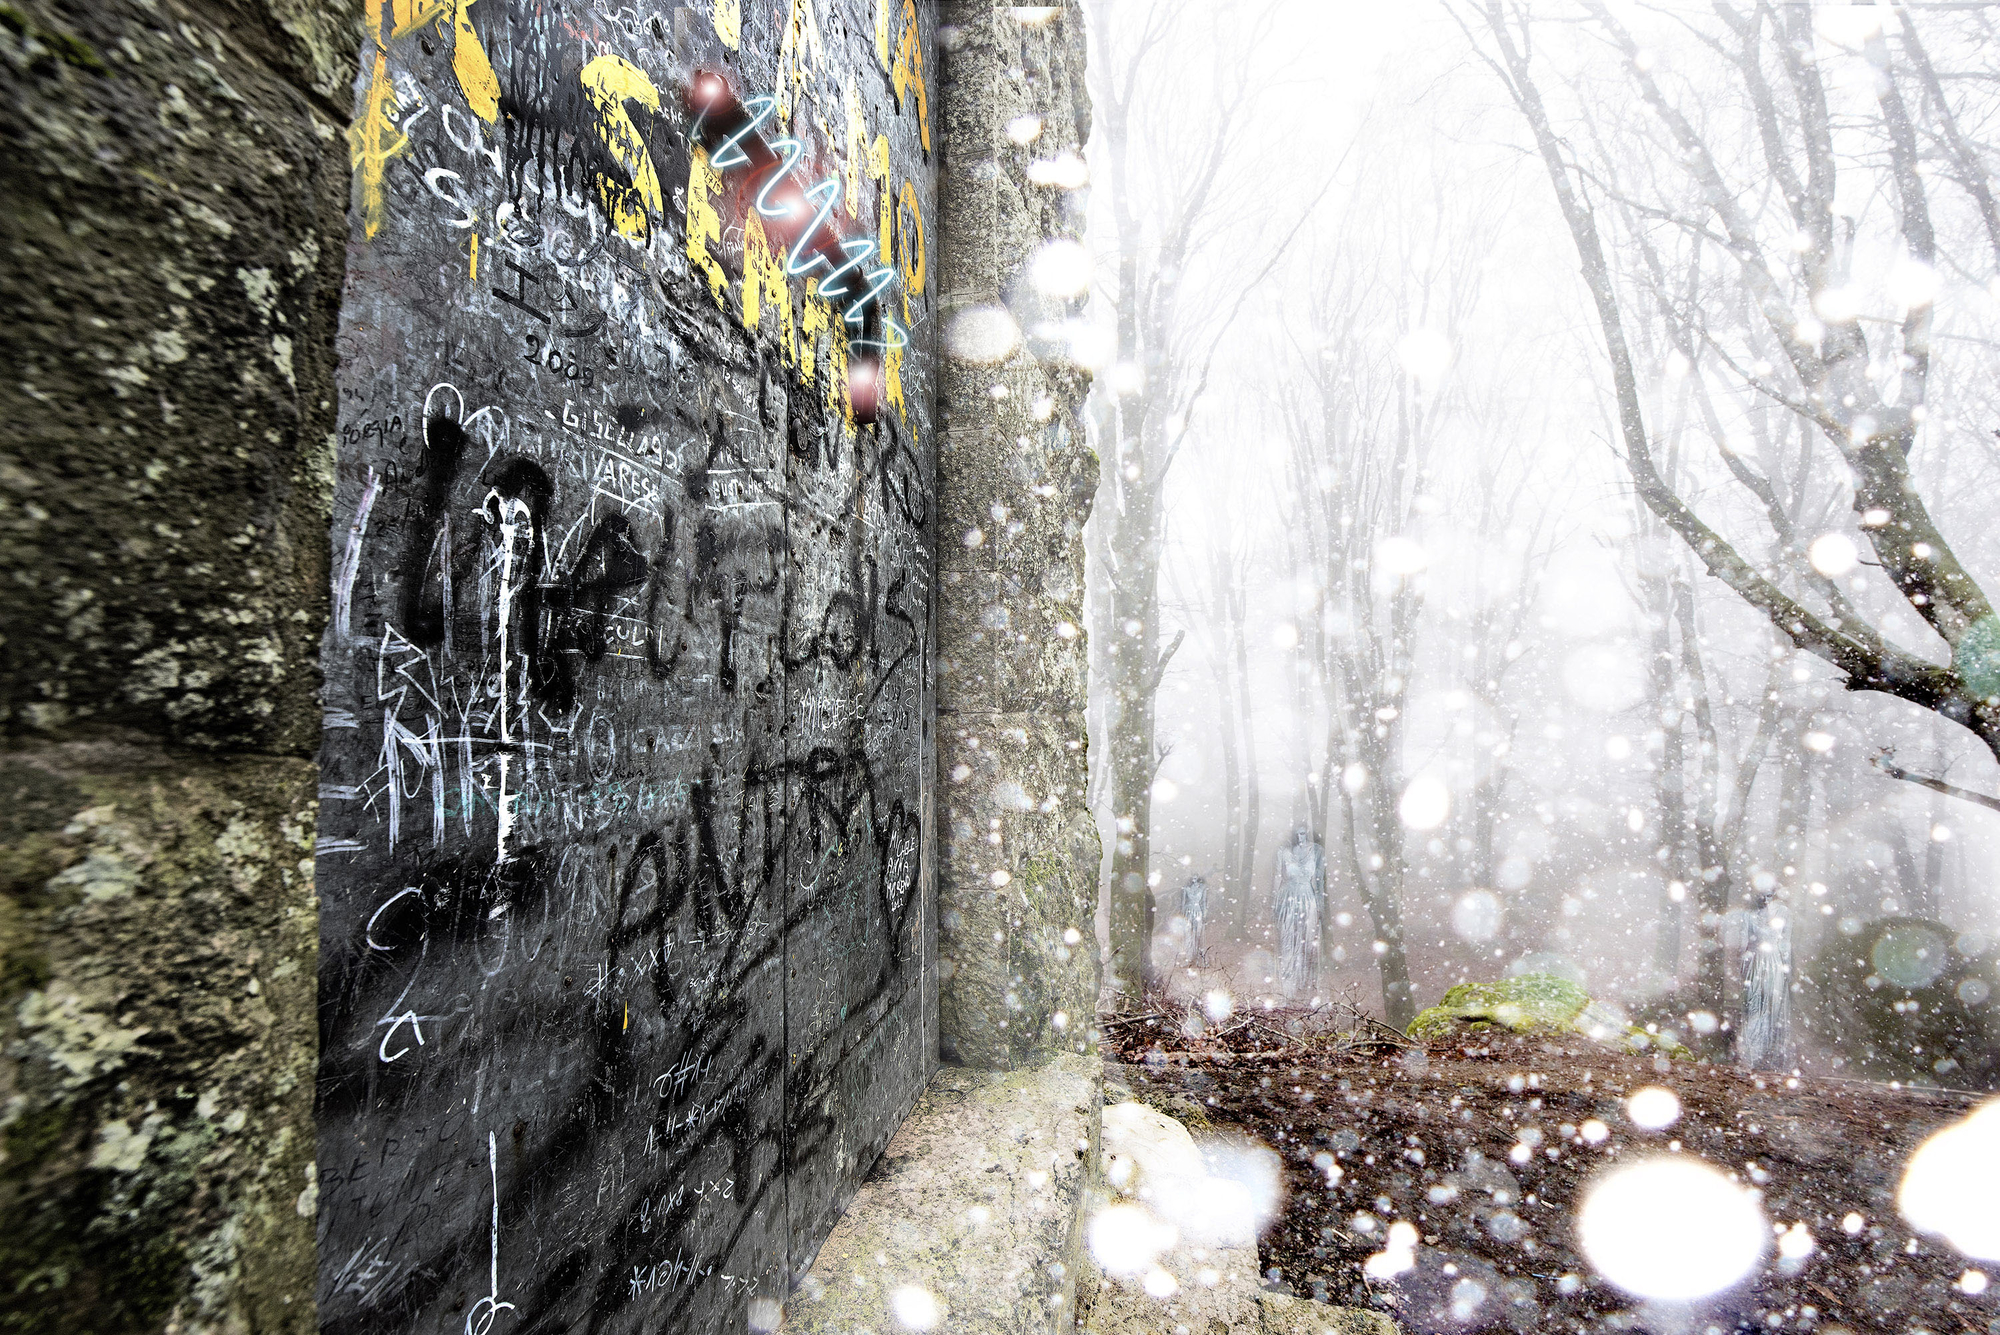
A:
(1445, 1138)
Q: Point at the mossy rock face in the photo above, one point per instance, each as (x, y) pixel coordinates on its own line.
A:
(1535, 1003)
(159, 949)
(176, 189)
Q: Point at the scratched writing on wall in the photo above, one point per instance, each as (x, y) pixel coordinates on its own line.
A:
(625, 789)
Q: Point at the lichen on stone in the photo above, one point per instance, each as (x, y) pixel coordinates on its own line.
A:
(73, 1037)
(157, 948)
(1535, 1003)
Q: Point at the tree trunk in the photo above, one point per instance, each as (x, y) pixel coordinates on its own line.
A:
(1678, 874)
(1130, 684)
(1232, 774)
(1253, 793)
(1712, 886)
(1381, 745)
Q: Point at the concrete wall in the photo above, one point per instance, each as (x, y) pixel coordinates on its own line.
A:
(627, 966)
(174, 190)
(1016, 478)
(457, 283)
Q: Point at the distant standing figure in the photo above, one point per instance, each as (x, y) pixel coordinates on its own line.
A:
(1764, 1039)
(1194, 908)
(1301, 898)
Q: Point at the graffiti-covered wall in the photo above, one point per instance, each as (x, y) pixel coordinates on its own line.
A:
(624, 847)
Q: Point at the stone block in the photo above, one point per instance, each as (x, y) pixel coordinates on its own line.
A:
(1284, 1314)
(1018, 855)
(970, 1220)
(1011, 642)
(158, 944)
(1168, 1250)
(176, 187)
(1017, 968)
(1174, 1220)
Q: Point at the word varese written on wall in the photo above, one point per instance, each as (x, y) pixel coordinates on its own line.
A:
(625, 821)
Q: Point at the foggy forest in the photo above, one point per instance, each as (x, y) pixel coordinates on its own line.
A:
(1542, 550)
(1559, 503)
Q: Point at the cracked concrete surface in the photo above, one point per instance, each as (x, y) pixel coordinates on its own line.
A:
(970, 1218)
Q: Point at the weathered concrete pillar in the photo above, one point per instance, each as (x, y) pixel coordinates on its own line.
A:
(1019, 962)
(171, 249)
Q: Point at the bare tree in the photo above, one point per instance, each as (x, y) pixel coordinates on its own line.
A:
(1126, 75)
(1168, 333)
(1705, 776)
(1491, 641)
(1364, 423)
(1214, 602)
(1761, 207)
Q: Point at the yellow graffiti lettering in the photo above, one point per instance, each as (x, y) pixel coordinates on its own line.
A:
(836, 375)
(892, 388)
(704, 224)
(815, 320)
(727, 15)
(610, 82)
(406, 16)
(821, 318)
(469, 62)
(764, 285)
(908, 76)
(882, 31)
(801, 43)
(892, 364)
(878, 170)
(371, 141)
(857, 134)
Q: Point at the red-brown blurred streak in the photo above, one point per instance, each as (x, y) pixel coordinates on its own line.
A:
(718, 113)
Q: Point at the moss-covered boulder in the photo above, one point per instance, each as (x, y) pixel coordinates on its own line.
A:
(1535, 1003)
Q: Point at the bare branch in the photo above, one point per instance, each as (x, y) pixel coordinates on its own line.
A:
(1884, 760)
(1920, 564)
(1972, 172)
(1166, 657)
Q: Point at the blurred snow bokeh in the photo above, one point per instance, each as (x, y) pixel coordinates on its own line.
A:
(1671, 1228)
(1952, 1185)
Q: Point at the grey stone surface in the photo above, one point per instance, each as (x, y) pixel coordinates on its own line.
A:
(157, 948)
(172, 231)
(1158, 1187)
(171, 261)
(971, 1217)
(1215, 1293)
(1172, 1221)
(1284, 1314)
(1020, 850)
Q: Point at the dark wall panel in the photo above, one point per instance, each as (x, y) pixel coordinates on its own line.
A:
(627, 940)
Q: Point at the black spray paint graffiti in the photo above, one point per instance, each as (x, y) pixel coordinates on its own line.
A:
(626, 778)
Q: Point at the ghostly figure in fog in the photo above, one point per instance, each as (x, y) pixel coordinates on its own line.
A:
(1764, 1038)
(1194, 908)
(1301, 899)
